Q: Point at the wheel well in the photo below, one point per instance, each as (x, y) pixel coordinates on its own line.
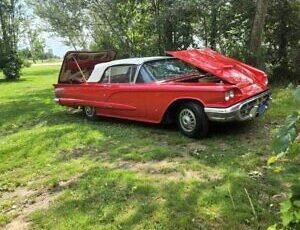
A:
(170, 113)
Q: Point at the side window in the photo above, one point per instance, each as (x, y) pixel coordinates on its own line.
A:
(119, 74)
(144, 76)
(105, 78)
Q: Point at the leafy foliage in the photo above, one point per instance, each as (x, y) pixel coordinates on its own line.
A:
(290, 209)
(286, 134)
(10, 16)
(143, 28)
(297, 94)
(281, 43)
(69, 19)
(34, 40)
(12, 65)
(284, 142)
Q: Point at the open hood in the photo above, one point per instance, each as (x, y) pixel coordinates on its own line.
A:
(225, 68)
(77, 64)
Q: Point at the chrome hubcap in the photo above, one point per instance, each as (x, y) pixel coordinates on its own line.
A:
(187, 120)
(89, 111)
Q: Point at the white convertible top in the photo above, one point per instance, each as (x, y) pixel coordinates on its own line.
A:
(100, 68)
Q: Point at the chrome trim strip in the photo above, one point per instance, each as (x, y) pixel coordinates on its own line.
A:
(233, 112)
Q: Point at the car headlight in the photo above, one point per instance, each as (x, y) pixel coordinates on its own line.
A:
(267, 81)
(229, 95)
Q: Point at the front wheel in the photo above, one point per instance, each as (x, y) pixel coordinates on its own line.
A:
(90, 113)
(192, 120)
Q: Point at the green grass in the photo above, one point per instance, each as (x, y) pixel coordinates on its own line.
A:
(127, 175)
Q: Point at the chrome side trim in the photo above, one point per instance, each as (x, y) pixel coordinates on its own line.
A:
(233, 113)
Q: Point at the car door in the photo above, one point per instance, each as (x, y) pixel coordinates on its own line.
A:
(122, 98)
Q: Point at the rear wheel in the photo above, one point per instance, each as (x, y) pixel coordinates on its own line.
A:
(192, 120)
(90, 113)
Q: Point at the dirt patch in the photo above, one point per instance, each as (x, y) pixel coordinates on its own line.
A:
(187, 175)
(224, 146)
(146, 166)
(32, 201)
(165, 170)
(42, 201)
(195, 149)
(20, 193)
(75, 153)
(196, 146)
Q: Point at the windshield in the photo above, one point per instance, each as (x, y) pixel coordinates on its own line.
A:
(166, 69)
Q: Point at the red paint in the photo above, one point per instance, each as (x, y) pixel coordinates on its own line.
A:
(227, 69)
(148, 102)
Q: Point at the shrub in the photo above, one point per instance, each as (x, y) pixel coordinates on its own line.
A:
(26, 63)
(12, 66)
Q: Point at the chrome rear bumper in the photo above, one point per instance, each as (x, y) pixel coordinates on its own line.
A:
(56, 100)
(245, 110)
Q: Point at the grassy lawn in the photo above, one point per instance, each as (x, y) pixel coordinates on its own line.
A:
(60, 171)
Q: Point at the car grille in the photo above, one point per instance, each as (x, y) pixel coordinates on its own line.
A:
(247, 108)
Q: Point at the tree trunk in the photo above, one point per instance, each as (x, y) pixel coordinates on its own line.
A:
(205, 32)
(168, 34)
(284, 30)
(2, 21)
(213, 24)
(156, 9)
(257, 33)
(9, 28)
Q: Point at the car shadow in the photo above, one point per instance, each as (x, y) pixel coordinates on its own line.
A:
(217, 129)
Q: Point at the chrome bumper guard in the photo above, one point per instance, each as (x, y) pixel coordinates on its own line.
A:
(245, 110)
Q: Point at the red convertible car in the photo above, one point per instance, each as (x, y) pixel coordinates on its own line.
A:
(190, 88)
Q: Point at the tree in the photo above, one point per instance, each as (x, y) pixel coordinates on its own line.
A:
(213, 21)
(282, 39)
(176, 20)
(35, 43)
(2, 55)
(68, 19)
(257, 32)
(9, 27)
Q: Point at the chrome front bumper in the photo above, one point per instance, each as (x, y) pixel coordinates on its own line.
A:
(245, 110)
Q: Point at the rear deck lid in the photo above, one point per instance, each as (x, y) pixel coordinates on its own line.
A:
(78, 63)
(225, 68)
